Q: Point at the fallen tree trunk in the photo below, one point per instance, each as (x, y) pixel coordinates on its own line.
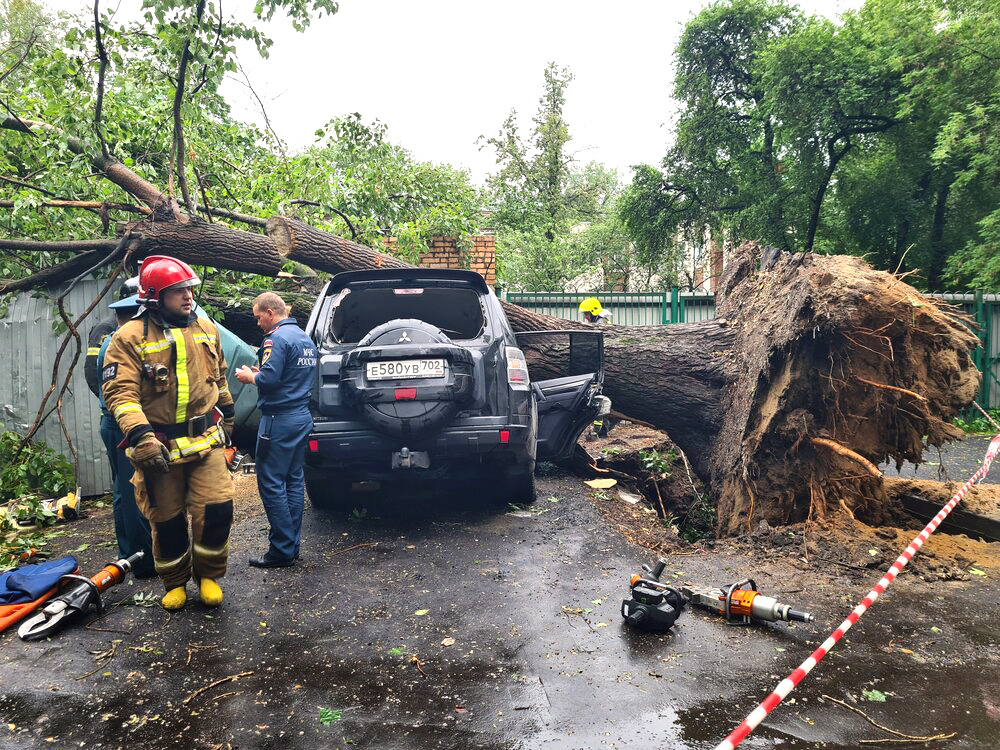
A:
(814, 368)
(813, 371)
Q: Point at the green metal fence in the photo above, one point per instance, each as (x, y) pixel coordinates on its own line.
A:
(985, 310)
(674, 306)
(627, 308)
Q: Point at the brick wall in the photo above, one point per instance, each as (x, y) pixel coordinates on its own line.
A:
(481, 257)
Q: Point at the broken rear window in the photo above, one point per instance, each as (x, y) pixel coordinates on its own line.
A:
(457, 312)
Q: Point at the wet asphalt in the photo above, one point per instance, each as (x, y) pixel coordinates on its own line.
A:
(954, 462)
(430, 622)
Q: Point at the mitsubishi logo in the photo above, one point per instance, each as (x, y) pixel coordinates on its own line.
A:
(405, 339)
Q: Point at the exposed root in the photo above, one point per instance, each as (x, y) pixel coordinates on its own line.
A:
(847, 510)
(891, 388)
(848, 453)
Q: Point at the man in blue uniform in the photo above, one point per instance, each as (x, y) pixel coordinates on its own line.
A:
(284, 380)
(131, 527)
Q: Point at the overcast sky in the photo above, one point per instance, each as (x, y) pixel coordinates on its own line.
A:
(440, 73)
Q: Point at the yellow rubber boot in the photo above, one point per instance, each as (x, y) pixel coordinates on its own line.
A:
(174, 599)
(211, 593)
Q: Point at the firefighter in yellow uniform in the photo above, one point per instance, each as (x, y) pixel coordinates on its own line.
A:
(164, 381)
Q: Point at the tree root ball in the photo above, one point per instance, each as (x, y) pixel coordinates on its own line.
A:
(836, 368)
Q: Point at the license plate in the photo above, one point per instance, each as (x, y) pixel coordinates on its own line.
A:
(398, 369)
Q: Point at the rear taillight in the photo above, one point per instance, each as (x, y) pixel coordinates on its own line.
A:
(517, 368)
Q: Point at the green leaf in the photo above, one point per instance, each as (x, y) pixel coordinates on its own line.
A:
(876, 696)
(327, 716)
(421, 612)
(977, 572)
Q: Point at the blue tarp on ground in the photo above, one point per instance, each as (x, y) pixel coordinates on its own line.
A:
(31, 581)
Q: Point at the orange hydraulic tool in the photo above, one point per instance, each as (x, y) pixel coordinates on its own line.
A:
(79, 596)
(741, 602)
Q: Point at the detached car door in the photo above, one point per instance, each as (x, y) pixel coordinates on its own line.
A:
(566, 369)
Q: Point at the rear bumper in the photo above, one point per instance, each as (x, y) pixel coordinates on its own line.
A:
(355, 447)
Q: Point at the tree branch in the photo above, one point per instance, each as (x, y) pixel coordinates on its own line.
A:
(110, 168)
(341, 214)
(28, 185)
(88, 205)
(69, 246)
(58, 273)
(178, 120)
(101, 70)
(225, 214)
(24, 56)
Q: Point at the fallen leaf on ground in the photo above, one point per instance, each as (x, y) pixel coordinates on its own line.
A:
(448, 642)
(601, 484)
(421, 612)
(876, 696)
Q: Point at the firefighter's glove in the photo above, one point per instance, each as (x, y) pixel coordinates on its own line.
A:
(228, 425)
(150, 455)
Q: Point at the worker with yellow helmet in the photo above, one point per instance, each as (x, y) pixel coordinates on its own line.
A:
(593, 312)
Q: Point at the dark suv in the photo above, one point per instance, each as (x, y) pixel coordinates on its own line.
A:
(421, 376)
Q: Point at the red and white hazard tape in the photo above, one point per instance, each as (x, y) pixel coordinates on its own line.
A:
(789, 683)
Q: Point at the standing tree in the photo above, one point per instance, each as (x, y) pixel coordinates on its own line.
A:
(539, 193)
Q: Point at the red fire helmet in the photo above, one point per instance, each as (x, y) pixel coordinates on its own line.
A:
(161, 272)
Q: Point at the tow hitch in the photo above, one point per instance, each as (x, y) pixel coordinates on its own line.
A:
(404, 458)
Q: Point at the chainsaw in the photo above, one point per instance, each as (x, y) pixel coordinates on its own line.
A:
(78, 597)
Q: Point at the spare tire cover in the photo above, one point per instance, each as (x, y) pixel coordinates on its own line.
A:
(413, 419)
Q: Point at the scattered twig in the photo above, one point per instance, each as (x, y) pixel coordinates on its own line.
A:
(106, 656)
(902, 737)
(659, 497)
(353, 546)
(267, 123)
(847, 453)
(227, 695)
(211, 685)
(415, 661)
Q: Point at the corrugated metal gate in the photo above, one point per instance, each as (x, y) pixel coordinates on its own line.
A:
(28, 349)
